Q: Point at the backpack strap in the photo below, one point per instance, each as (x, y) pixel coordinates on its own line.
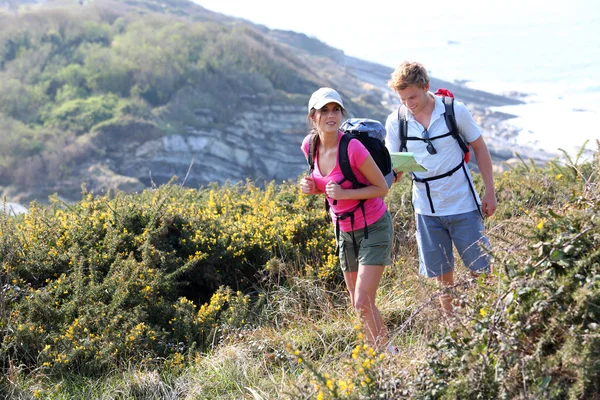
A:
(344, 160)
(350, 214)
(402, 130)
(452, 171)
(313, 146)
(450, 118)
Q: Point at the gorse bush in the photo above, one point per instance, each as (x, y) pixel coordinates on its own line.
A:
(109, 281)
(530, 330)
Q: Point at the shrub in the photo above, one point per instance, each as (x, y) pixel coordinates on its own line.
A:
(110, 281)
(80, 115)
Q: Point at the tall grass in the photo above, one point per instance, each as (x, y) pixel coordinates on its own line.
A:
(233, 292)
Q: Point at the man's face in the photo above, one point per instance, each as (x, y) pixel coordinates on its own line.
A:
(414, 98)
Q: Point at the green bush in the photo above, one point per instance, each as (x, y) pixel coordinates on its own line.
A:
(111, 281)
(79, 115)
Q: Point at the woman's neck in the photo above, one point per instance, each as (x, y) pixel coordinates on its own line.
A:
(328, 140)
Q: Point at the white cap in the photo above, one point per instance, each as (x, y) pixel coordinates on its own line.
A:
(324, 96)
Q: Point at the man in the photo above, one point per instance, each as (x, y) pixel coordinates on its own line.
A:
(447, 208)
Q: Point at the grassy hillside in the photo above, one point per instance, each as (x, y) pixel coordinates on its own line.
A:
(233, 292)
(77, 81)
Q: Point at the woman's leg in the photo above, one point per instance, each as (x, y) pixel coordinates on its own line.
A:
(350, 278)
(365, 291)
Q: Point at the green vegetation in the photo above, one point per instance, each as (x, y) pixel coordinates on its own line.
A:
(232, 292)
(69, 71)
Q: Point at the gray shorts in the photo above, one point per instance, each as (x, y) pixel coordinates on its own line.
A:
(376, 250)
(435, 236)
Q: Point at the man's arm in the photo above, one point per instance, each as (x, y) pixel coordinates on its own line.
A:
(392, 134)
(484, 162)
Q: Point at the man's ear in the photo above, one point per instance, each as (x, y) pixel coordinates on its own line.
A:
(427, 87)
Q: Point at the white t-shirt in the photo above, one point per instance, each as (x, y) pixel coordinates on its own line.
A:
(450, 195)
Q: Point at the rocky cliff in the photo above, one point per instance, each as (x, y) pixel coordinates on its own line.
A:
(263, 143)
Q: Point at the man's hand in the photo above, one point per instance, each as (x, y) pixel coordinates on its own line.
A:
(397, 175)
(489, 204)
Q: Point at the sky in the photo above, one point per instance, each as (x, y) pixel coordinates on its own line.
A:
(343, 24)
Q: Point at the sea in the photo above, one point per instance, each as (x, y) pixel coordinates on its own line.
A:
(552, 64)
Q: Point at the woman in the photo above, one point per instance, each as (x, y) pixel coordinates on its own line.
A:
(362, 271)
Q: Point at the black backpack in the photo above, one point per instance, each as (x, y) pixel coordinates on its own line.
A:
(371, 134)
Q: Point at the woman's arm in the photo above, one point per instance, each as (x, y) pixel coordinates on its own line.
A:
(371, 171)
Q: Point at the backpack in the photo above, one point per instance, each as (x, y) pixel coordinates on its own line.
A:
(448, 100)
(371, 134)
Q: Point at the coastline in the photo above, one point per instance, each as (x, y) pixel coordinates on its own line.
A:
(501, 137)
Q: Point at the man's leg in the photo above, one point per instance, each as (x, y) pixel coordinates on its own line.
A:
(467, 232)
(446, 280)
(435, 254)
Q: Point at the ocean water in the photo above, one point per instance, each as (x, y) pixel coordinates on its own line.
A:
(553, 65)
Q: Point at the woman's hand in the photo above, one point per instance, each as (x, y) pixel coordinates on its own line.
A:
(334, 191)
(307, 185)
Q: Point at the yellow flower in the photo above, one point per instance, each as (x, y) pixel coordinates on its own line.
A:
(483, 312)
(540, 226)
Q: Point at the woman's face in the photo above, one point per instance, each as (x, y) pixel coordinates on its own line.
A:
(328, 118)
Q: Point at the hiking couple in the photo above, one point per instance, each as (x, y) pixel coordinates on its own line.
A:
(447, 208)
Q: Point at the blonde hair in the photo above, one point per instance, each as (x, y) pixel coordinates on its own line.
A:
(409, 74)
